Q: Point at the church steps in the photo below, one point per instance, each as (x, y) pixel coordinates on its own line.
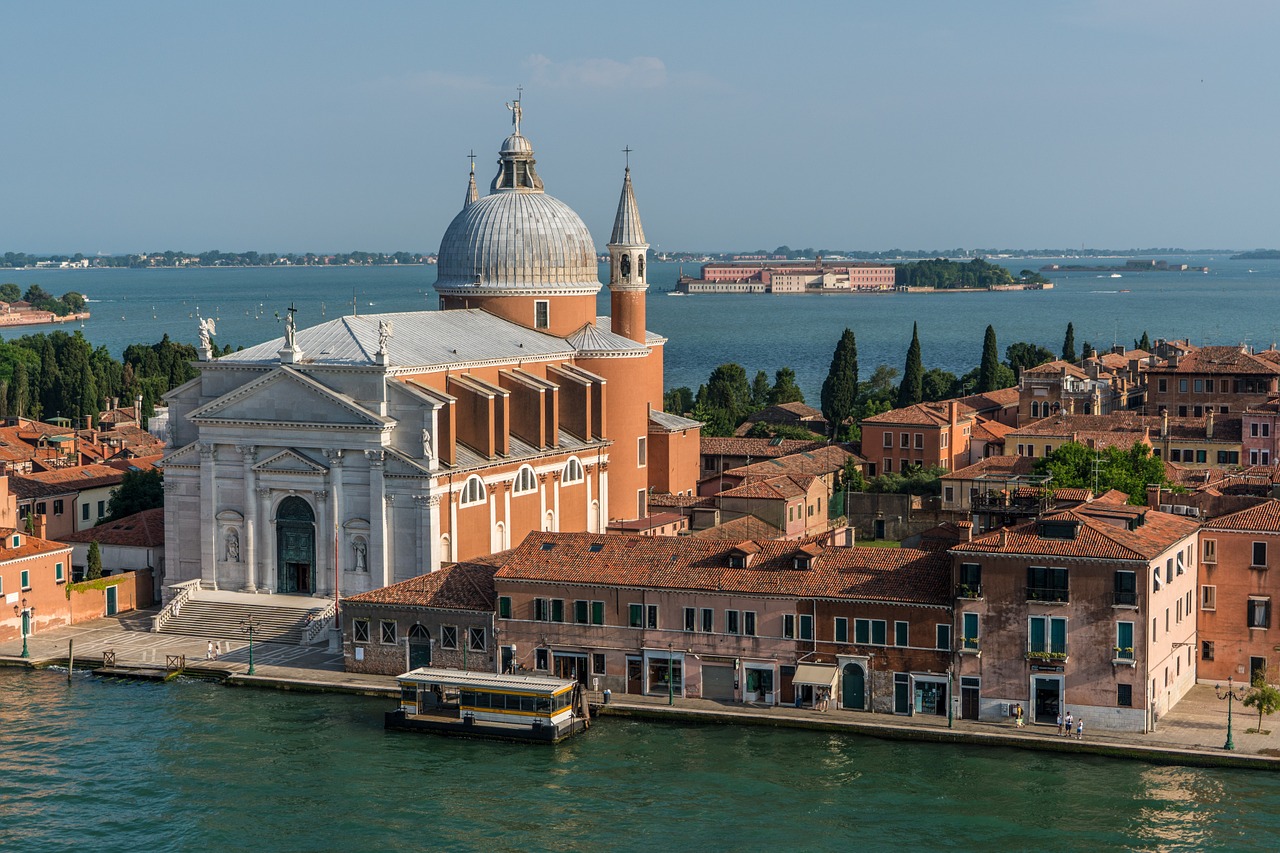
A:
(222, 620)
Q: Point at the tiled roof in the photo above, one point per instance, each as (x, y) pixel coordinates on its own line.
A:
(669, 422)
(1126, 427)
(1221, 360)
(991, 400)
(600, 340)
(994, 466)
(462, 586)
(985, 430)
(83, 477)
(1102, 533)
(142, 529)
(773, 488)
(665, 499)
(902, 575)
(921, 414)
(826, 459)
(32, 546)
(1114, 496)
(649, 522)
(1055, 368)
(1263, 518)
(136, 463)
(24, 488)
(756, 448)
(738, 529)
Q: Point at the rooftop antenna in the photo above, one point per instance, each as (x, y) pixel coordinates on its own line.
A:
(355, 306)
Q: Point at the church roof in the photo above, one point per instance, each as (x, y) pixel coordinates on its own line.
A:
(627, 230)
(593, 339)
(420, 339)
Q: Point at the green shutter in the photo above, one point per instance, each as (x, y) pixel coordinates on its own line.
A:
(580, 612)
(557, 610)
(862, 631)
(1058, 636)
(842, 630)
(504, 607)
(900, 637)
(636, 613)
(597, 613)
(1037, 634)
(879, 633)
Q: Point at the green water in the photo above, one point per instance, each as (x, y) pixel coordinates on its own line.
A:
(107, 766)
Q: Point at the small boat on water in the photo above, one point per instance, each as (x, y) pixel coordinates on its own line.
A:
(1116, 275)
(489, 705)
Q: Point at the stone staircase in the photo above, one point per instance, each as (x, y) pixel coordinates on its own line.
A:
(222, 617)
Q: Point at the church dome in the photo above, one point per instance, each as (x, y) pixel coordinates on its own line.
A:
(517, 240)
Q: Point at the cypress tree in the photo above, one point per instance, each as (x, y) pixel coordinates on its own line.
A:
(20, 391)
(760, 391)
(911, 391)
(1069, 344)
(988, 376)
(785, 389)
(840, 388)
(1087, 351)
(93, 564)
(1144, 343)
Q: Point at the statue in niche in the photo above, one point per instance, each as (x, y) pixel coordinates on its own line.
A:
(625, 266)
(640, 266)
(361, 554)
(426, 444)
(232, 541)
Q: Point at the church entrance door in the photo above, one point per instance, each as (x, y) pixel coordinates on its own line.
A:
(295, 546)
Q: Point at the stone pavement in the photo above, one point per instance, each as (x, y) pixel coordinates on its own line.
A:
(1197, 724)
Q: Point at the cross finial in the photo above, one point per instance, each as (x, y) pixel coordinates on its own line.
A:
(627, 151)
(472, 157)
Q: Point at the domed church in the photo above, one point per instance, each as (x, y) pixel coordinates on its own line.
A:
(375, 448)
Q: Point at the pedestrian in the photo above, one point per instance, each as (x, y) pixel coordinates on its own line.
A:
(1021, 721)
(208, 655)
(1059, 723)
(217, 649)
(1080, 729)
(1070, 723)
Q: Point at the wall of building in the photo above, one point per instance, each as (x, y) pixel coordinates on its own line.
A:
(378, 658)
(88, 600)
(1224, 625)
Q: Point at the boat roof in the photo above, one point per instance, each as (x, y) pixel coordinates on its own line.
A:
(486, 680)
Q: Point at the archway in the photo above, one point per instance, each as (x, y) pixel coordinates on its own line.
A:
(855, 688)
(295, 546)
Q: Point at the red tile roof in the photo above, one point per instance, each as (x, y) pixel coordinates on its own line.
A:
(994, 466)
(142, 529)
(1055, 368)
(31, 546)
(991, 400)
(80, 478)
(737, 529)
(922, 414)
(1221, 360)
(1263, 518)
(827, 459)
(756, 448)
(1102, 533)
(462, 586)
(664, 499)
(773, 488)
(902, 575)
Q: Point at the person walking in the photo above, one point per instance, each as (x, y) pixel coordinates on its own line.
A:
(1017, 716)
(208, 655)
(1070, 722)
(1080, 729)
(217, 649)
(1059, 723)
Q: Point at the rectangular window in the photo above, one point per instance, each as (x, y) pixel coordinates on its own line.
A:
(1048, 634)
(888, 439)
(1182, 385)
(749, 623)
(1046, 584)
(1259, 613)
(541, 314)
(1163, 384)
(642, 451)
(387, 632)
(1206, 650)
(102, 509)
(906, 440)
(970, 580)
(1208, 597)
(476, 639)
(862, 631)
(540, 658)
(806, 626)
(581, 612)
(26, 579)
(708, 620)
(1198, 385)
(635, 616)
(1124, 641)
(943, 637)
(690, 618)
(84, 511)
(448, 636)
(557, 610)
(653, 616)
(1259, 555)
(59, 574)
(1126, 588)
(788, 626)
(1178, 562)
(971, 638)
(360, 630)
(901, 634)
(888, 465)
(731, 621)
(597, 613)
(1210, 551)
(1124, 695)
(504, 607)
(919, 441)
(57, 506)
(597, 664)
(879, 632)
(842, 629)
(541, 610)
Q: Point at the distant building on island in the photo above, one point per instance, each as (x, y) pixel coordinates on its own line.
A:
(790, 277)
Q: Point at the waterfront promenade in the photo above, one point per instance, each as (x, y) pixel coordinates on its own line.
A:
(1192, 733)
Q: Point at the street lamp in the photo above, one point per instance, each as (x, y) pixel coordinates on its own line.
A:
(249, 626)
(25, 611)
(1230, 695)
(671, 687)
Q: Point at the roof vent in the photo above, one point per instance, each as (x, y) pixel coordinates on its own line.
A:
(547, 546)
(1058, 529)
(596, 547)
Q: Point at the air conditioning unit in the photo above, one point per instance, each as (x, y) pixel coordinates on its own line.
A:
(1166, 507)
(1193, 511)
(1004, 709)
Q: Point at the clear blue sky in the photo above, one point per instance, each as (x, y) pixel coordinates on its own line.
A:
(295, 126)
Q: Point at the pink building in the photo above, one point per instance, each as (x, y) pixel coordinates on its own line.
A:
(1260, 438)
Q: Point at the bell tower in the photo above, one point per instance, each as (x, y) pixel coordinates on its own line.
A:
(627, 265)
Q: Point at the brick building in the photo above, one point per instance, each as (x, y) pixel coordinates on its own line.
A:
(1221, 379)
(921, 436)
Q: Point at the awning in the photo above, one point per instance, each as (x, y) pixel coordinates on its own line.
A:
(815, 675)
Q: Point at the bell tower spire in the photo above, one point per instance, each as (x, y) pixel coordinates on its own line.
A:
(473, 195)
(627, 264)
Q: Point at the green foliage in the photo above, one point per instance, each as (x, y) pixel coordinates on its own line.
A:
(1143, 343)
(1087, 351)
(911, 391)
(759, 391)
(10, 292)
(93, 564)
(1262, 696)
(1022, 355)
(763, 429)
(69, 303)
(678, 401)
(1131, 471)
(988, 379)
(840, 388)
(139, 490)
(944, 274)
(916, 481)
(1069, 344)
(785, 389)
(939, 384)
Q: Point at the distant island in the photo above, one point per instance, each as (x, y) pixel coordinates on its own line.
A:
(213, 258)
(1258, 255)
(827, 276)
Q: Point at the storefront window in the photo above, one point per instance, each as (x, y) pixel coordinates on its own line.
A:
(931, 697)
(660, 670)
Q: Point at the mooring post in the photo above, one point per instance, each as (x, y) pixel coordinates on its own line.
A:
(71, 658)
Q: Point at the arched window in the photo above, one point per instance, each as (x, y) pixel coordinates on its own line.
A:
(526, 481)
(473, 491)
(1035, 409)
(572, 471)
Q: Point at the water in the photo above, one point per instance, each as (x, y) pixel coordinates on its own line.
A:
(112, 766)
(1229, 305)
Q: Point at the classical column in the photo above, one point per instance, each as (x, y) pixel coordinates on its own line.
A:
(422, 518)
(555, 501)
(452, 556)
(506, 528)
(389, 543)
(266, 578)
(433, 531)
(493, 513)
(249, 453)
(377, 515)
(542, 500)
(603, 515)
(332, 536)
(208, 514)
(324, 546)
(588, 471)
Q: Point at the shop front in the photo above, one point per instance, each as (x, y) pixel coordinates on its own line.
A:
(759, 683)
(664, 673)
(815, 684)
(930, 692)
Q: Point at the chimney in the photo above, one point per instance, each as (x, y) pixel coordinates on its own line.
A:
(953, 409)
(1004, 537)
(37, 525)
(1208, 425)
(1164, 424)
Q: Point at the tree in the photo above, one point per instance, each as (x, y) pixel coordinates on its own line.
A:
(1069, 344)
(1087, 351)
(911, 391)
(878, 392)
(785, 389)
(728, 391)
(840, 388)
(20, 391)
(1073, 465)
(10, 292)
(939, 384)
(93, 563)
(759, 391)
(1143, 343)
(1262, 696)
(988, 379)
(677, 401)
(764, 429)
(138, 491)
(1022, 356)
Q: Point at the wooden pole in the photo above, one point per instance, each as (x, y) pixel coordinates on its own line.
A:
(71, 658)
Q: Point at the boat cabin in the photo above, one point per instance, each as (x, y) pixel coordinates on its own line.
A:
(487, 704)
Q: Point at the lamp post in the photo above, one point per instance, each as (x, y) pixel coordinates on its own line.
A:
(249, 626)
(1230, 695)
(671, 687)
(25, 611)
(951, 702)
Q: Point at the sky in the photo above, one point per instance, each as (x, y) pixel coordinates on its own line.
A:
(325, 126)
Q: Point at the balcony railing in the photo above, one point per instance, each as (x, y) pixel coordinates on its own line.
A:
(969, 590)
(1055, 655)
(1051, 594)
(1124, 599)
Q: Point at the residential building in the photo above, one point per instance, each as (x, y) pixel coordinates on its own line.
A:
(1088, 610)
(132, 543)
(86, 491)
(1210, 440)
(926, 435)
(720, 454)
(1260, 434)
(34, 572)
(1220, 379)
(1062, 387)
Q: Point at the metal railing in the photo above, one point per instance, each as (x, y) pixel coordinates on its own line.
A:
(319, 623)
(1125, 599)
(183, 593)
(1049, 594)
(969, 590)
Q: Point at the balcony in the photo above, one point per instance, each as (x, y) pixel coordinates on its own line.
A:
(1046, 656)
(1124, 599)
(1047, 595)
(972, 591)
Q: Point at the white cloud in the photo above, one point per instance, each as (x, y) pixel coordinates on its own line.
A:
(641, 72)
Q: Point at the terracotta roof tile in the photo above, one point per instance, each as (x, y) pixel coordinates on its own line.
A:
(1263, 518)
(142, 529)
(1221, 360)
(921, 414)
(1055, 368)
(1101, 534)
(994, 466)
(737, 529)
(989, 401)
(756, 448)
(826, 459)
(82, 477)
(31, 546)
(462, 586)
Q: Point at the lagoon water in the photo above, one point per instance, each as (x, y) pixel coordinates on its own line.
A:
(1237, 301)
(107, 766)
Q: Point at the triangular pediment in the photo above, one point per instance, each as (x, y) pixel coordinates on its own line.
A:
(290, 462)
(399, 465)
(188, 456)
(286, 396)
